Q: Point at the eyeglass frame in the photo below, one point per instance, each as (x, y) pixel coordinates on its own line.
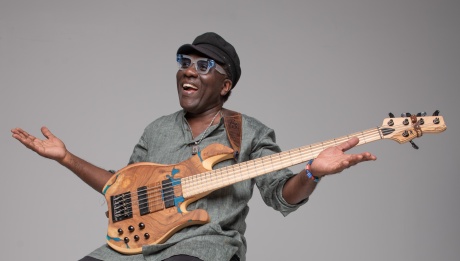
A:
(211, 64)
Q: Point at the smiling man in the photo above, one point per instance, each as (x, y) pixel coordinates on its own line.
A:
(209, 70)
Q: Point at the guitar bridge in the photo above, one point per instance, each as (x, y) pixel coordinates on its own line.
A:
(121, 207)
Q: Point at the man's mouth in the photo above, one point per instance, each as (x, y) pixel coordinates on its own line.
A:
(189, 87)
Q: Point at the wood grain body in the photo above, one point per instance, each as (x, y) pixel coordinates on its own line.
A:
(163, 222)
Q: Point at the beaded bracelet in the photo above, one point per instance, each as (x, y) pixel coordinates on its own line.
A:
(309, 175)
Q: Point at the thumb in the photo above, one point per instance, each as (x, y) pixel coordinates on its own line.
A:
(47, 133)
(348, 144)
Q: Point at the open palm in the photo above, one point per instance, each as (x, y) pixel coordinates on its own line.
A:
(51, 147)
(333, 159)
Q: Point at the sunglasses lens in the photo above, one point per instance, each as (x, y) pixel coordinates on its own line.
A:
(183, 62)
(202, 66)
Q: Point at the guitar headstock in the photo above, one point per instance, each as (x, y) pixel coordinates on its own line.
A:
(408, 127)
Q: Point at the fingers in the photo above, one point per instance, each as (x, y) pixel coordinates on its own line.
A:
(358, 158)
(369, 156)
(22, 135)
(366, 156)
(25, 138)
(17, 131)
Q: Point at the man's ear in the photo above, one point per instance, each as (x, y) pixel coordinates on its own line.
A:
(226, 87)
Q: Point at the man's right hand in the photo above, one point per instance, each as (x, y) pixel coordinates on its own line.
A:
(51, 147)
(54, 148)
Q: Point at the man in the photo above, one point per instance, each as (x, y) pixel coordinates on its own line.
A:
(209, 69)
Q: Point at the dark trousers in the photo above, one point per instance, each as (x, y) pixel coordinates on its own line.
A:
(173, 258)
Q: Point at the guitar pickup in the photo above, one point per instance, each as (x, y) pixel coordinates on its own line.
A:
(142, 195)
(168, 193)
(155, 197)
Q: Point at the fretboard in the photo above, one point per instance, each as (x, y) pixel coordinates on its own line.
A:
(219, 178)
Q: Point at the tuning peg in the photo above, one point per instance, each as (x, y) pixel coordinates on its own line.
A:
(421, 114)
(436, 113)
(406, 114)
(391, 115)
(414, 145)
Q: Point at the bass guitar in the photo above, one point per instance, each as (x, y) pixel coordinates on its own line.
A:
(147, 202)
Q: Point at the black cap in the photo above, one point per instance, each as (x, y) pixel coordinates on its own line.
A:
(215, 47)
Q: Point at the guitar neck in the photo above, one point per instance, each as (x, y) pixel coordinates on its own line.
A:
(212, 180)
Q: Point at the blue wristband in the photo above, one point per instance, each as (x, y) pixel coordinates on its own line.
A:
(308, 172)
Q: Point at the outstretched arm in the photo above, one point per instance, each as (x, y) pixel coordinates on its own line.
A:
(53, 148)
(330, 161)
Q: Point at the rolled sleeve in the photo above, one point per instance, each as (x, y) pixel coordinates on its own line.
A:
(271, 185)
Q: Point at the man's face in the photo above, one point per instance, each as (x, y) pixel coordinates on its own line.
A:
(199, 93)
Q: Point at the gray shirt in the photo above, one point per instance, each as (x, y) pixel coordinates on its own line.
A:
(168, 140)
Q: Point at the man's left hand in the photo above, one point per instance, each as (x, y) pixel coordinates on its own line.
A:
(333, 159)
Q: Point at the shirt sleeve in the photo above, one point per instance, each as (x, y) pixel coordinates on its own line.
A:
(271, 185)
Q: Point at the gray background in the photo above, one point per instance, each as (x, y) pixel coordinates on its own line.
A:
(97, 72)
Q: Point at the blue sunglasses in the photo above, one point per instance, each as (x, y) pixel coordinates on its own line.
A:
(202, 65)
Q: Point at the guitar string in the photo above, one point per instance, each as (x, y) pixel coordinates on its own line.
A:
(319, 146)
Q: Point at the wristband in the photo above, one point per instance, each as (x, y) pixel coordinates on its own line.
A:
(309, 175)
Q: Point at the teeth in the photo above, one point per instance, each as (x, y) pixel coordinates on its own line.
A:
(189, 86)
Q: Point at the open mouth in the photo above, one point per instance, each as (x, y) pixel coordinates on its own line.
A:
(189, 87)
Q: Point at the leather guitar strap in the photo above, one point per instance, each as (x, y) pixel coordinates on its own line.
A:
(233, 126)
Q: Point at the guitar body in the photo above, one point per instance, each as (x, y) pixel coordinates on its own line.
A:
(146, 203)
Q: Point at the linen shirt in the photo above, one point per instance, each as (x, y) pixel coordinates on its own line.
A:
(168, 140)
